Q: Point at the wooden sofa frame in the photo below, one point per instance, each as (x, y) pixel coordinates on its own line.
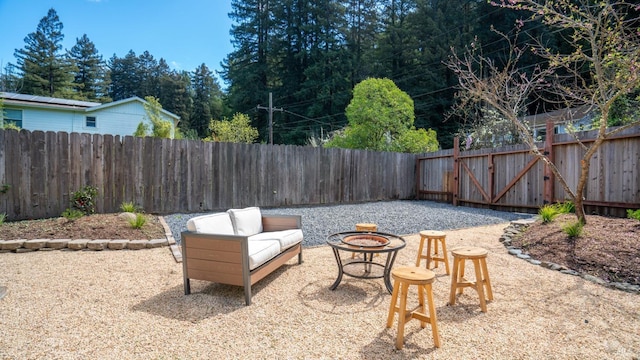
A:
(224, 259)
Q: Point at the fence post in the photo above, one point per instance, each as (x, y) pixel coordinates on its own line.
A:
(549, 179)
(456, 169)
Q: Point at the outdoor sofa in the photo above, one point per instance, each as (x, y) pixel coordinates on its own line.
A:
(238, 247)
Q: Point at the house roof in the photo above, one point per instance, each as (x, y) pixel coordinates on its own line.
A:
(24, 99)
(559, 116)
(128, 100)
(87, 106)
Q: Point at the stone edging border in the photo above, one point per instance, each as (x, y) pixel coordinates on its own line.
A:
(22, 246)
(518, 226)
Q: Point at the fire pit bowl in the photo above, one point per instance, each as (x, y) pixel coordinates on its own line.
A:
(366, 240)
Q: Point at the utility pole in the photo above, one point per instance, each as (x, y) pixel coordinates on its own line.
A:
(271, 109)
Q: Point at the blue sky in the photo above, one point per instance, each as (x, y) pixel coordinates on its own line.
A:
(185, 33)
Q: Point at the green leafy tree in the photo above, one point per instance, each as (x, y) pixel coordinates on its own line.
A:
(89, 74)
(381, 118)
(45, 69)
(598, 66)
(236, 130)
(159, 127)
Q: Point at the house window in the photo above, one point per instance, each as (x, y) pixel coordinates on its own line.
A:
(91, 121)
(13, 116)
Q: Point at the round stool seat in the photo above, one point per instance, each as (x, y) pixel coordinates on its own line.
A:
(413, 275)
(366, 227)
(432, 233)
(469, 252)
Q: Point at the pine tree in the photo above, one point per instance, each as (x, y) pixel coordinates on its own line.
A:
(207, 103)
(89, 78)
(45, 70)
(124, 76)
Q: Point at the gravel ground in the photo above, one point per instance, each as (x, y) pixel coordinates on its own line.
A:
(131, 305)
(396, 217)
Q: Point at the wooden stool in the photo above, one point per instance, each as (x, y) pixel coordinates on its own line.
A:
(404, 277)
(435, 238)
(482, 283)
(365, 227)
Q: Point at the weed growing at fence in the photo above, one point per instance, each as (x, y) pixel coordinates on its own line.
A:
(138, 222)
(4, 188)
(548, 213)
(566, 207)
(573, 229)
(72, 214)
(129, 206)
(3, 216)
(85, 199)
(633, 214)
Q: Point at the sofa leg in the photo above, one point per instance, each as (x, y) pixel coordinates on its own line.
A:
(187, 286)
(300, 257)
(247, 295)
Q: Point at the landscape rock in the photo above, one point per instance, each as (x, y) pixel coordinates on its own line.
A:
(35, 244)
(58, 243)
(78, 244)
(118, 244)
(137, 244)
(11, 244)
(97, 245)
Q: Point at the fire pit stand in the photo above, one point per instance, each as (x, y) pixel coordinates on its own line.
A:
(367, 243)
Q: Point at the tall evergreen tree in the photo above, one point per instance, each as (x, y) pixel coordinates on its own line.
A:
(175, 94)
(45, 69)
(125, 76)
(246, 69)
(362, 31)
(89, 77)
(207, 104)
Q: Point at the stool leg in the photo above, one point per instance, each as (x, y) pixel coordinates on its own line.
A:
(423, 309)
(429, 243)
(436, 253)
(420, 252)
(480, 285)
(485, 279)
(432, 316)
(444, 255)
(402, 315)
(392, 306)
(461, 274)
(454, 281)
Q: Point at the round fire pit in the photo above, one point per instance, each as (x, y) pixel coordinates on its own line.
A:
(366, 240)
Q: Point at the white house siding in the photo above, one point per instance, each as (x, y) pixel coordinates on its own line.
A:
(52, 120)
(122, 119)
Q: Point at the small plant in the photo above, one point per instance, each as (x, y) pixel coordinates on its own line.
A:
(138, 222)
(4, 188)
(573, 229)
(128, 206)
(566, 207)
(72, 214)
(633, 214)
(85, 199)
(3, 216)
(548, 213)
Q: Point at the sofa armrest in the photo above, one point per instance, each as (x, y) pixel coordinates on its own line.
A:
(281, 222)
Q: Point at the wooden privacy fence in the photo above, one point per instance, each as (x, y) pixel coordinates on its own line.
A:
(511, 178)
(164, 176)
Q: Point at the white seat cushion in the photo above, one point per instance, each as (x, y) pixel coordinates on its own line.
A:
(262, 251)
(247, 221)
(218, 223)
(286, 238)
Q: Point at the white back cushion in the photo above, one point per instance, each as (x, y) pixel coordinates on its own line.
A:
(247, 221)
(218, 223)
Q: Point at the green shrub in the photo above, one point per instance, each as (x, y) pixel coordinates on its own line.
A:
(573, 229)
(548, 213)
(138, 222)
(128, 206)
(85, 199)
(633, 214)
(566, 207)
(3, 216)
(72, 214)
